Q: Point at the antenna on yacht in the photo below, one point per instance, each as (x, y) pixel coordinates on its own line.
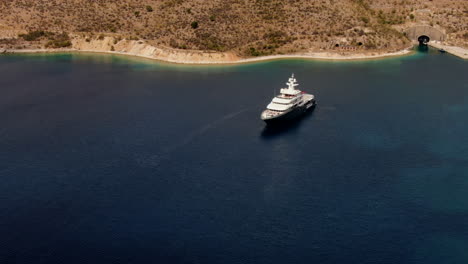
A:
(292, 82)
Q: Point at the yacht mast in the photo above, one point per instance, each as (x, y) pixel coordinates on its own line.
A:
(292, 83)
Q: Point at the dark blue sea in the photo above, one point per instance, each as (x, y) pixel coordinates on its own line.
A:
(107, 159)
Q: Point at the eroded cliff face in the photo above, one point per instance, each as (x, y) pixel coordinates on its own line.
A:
(142, 49)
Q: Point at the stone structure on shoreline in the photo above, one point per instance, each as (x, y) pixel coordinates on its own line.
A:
(414, 32)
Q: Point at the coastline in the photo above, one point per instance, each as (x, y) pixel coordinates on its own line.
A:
(143, 50)
(327, 56)
(457, 51)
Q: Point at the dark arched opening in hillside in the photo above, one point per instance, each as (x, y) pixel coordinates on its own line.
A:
(423, 40)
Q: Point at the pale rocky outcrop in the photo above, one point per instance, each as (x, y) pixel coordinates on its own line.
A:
(6, 33)
(142, 49)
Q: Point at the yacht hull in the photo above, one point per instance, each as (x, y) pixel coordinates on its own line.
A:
(292, 115)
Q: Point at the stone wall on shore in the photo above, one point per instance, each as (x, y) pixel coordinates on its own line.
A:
(413, 33)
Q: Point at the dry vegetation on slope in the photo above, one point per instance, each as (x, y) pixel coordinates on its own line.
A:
(247, 27)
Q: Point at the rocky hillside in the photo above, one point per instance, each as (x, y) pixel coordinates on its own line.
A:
(246, 27)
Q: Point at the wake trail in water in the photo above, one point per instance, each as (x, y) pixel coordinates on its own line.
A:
(155, 160)
(199, 132)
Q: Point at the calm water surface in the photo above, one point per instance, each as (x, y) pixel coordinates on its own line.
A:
(112, 160)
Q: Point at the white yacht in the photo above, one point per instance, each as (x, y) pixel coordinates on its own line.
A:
(289, 104)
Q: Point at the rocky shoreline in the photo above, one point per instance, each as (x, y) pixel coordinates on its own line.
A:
(142, 49)
(457, 51)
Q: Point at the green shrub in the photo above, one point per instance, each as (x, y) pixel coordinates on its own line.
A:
(194, 24)
(149, 8)
(34, 35)
(58, 44)
(253, 52)
(59, 41)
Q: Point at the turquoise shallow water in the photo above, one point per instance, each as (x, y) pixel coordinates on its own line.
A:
(106, 159)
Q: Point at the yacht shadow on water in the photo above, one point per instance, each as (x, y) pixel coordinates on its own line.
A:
(272, 131)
